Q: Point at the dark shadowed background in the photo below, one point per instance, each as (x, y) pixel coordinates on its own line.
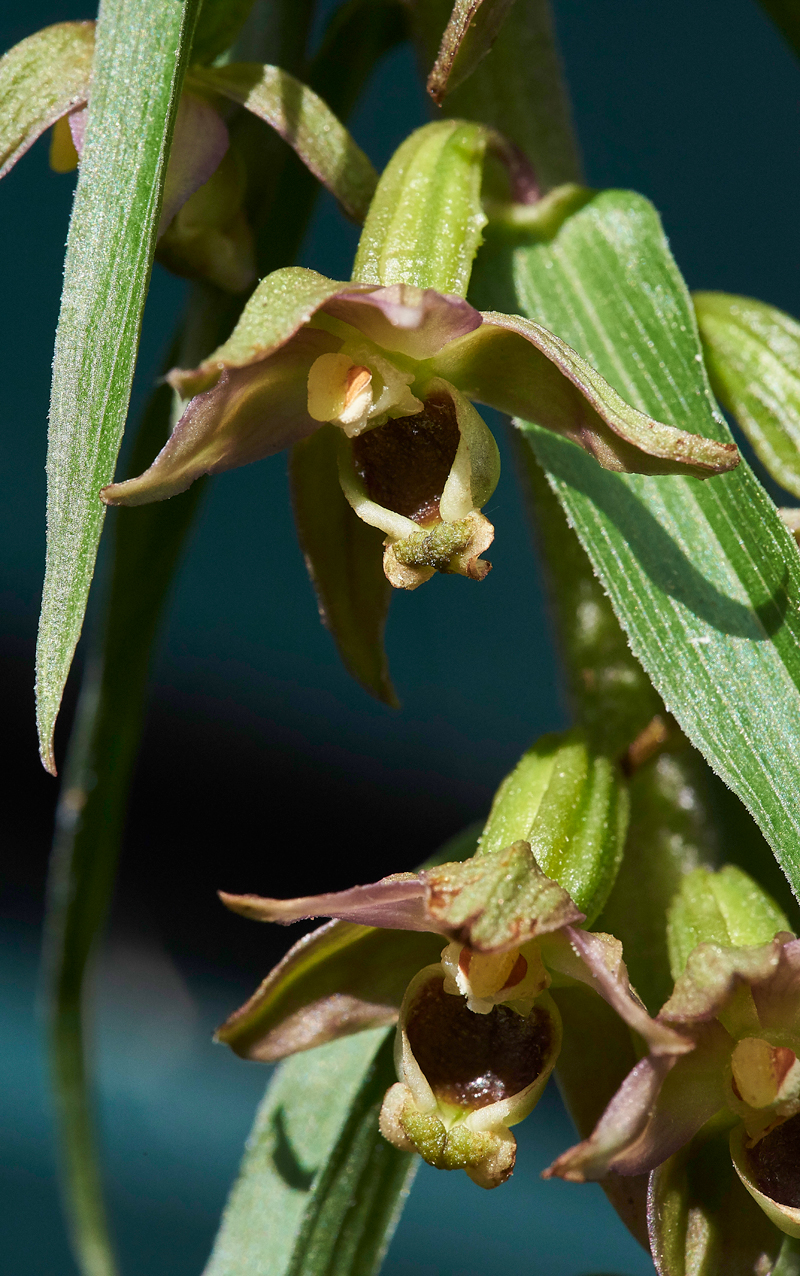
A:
(254, 729)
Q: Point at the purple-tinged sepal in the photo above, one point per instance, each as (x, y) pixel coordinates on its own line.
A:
(739, 1008)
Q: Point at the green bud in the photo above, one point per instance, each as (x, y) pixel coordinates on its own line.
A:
(572, 806)
(726, 908)
(752, 354)
(425, 221)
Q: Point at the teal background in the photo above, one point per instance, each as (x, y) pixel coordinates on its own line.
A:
(252, 723)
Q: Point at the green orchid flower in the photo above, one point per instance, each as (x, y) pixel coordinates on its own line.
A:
(737, 1004)
(45, 82)
(395, 370)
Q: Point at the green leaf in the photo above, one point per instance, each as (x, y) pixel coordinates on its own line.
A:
(142, 47)
(467, 38)
(753, 358)
(344, 560)
(303, 120)
(90, 818)
(424, 224)
(572, 807)
(701, 576)
(319, 1190)
(41, 79)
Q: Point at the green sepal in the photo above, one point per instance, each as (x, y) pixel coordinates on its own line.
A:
(726, 907)
(702, 1218)
(282, 303)
(752, 353)
(41, 79)
(425, 221)
(343, 557)
(338, 980)
(341, 967)
(467, 38)
(572, 806)
(498, 900)
(303, 120)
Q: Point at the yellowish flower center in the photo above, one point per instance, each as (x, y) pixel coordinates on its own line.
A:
(763, 1073)
(359, 388)
(490, 979)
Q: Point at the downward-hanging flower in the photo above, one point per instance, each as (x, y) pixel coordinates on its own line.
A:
(46, 80)
(395, 369)
(478, 1034)
(740, 1007)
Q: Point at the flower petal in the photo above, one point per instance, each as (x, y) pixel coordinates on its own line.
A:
(199, 141)
(249, 414)
(777, 1000)
(596, 960)
(338, 980)
(281, 305)
(496, 902)
(41, 79)
(519, 367)
(660, 1105)
(393, 903)
(713, 974)
(785, 1217)
(417, 322)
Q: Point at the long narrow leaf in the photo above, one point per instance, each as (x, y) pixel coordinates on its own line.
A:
(89, 824)
(703, 577)
(319, 1191)
(142, 46)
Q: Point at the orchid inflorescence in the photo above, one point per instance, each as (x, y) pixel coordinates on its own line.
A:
(495, 962)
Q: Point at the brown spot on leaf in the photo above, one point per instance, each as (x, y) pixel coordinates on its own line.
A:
(473, 1060)
(404, 464)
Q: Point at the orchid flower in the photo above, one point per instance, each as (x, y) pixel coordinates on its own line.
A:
(395, 370)
(45, 81)
(739, 1006)
(478, 1034)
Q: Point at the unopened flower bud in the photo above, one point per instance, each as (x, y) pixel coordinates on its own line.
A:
(465, 1076)
(572, 806)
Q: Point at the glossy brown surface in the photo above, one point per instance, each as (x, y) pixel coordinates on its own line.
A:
(470, 1059)
(404, 464)
(776, 1163)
